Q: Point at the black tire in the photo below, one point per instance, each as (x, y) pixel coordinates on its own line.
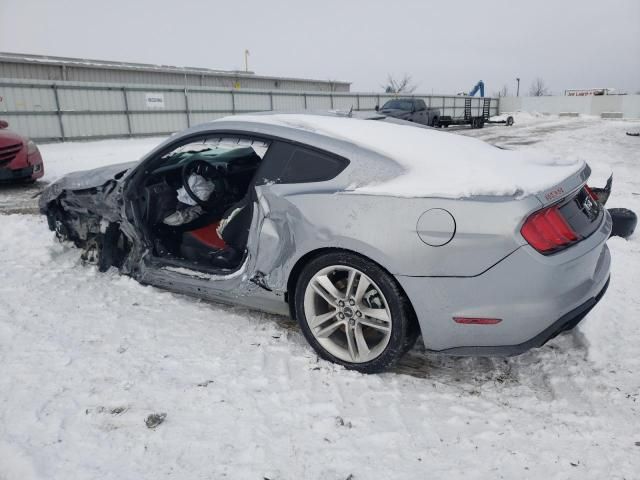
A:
(624, 222)
(477, 122)
(434, 122)
(404, 329)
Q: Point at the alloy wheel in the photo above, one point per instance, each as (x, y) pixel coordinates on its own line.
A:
(347, 314)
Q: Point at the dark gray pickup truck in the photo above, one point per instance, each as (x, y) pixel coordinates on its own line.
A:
(412, 110)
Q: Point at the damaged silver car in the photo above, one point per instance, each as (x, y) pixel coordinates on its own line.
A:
(271, 215)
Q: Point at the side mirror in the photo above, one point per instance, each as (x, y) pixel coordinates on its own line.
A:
(377, 107)
(3, 124)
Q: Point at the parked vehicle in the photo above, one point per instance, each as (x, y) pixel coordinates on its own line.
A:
(411, 110)
(369, 233)
(475, 120)
(20, 159)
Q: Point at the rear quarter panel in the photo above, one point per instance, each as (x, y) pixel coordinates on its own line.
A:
(384, 229)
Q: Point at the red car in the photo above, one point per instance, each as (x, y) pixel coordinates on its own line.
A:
(20, 158)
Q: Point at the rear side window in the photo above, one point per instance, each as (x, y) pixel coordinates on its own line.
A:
(288, 163)
(310, 166)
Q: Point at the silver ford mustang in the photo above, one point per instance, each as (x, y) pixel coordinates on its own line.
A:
(368, 232)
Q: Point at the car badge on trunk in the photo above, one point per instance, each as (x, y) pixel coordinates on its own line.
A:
(590, 207)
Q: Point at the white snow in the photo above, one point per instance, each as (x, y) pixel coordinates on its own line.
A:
(62, 158)
(436, 163)
(86, 357)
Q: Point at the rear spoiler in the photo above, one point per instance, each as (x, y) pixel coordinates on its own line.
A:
(573, 183)
(565, 188)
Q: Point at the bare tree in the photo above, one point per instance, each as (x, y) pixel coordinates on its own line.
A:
(538, 88)
(503, 92)
(402, 85)
(333, 85)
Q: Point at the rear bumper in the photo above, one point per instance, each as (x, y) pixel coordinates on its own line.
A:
(567, 322)
(535, 296)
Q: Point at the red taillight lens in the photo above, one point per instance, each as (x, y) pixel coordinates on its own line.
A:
(547, 231)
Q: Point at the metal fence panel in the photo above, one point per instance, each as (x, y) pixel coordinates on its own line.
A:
(252, 102)
(93, 100)
(344, 102)
(319, 102)
(368, 102)
(27, 99)
(139, 100)
(197, 118)
(151, 123)
(288, 102)
(36, 126)
(210, 101)
(64, 110)
(105, 125)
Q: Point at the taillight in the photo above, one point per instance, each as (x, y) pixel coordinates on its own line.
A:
(547, 231)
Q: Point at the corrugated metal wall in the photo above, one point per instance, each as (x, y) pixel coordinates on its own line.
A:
(79, 73)
(31, 71)
(72, 110)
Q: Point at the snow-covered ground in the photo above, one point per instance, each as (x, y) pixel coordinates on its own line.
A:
(85, 358)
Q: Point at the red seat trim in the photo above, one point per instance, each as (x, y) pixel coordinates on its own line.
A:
(208, 235)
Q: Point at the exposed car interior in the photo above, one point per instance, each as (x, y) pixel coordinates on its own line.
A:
(197, 203)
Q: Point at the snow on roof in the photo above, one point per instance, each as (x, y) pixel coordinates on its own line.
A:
(435, 163)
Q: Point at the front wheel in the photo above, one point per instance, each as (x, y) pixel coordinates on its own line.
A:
(353, 313)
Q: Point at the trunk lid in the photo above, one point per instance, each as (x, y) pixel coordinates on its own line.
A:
(567, 187)
(570, 214)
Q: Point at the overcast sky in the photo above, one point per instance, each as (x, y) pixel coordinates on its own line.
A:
(446, 46)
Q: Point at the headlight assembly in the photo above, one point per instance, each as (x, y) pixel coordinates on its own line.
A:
(31, 147)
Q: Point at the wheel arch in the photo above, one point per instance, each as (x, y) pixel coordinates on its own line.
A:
(295, 272)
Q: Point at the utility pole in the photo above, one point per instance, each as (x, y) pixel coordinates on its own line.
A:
(518, 88)
(246, 60)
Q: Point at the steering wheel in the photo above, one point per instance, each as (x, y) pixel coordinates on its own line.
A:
(208, 171)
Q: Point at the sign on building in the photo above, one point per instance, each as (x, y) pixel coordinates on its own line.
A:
(154, 100)
(588, 92)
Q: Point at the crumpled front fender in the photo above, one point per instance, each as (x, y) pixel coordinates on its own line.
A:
(83, 180)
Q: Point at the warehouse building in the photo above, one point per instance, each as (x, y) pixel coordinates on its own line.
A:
(38, 67)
